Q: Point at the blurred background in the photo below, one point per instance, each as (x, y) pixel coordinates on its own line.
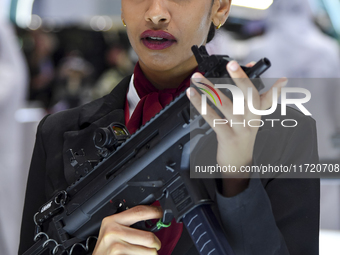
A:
(58, 54)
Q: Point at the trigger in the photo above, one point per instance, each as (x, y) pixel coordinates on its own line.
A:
(147, 225)
(165, 222)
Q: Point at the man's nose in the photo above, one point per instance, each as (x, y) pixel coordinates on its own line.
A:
(157, 12)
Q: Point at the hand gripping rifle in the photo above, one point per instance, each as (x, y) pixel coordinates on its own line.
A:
(153, 164)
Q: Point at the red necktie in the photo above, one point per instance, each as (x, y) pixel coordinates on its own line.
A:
(152, 101)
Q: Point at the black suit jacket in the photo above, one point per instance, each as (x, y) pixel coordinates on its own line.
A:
(273, 216)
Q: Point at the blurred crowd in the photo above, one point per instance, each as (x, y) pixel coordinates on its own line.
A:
(73, 66)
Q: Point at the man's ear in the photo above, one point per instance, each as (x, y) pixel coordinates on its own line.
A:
(220, 11)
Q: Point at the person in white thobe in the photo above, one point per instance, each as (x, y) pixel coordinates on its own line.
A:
(13, 84)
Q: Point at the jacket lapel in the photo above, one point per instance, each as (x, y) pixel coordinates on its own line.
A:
(102, 106)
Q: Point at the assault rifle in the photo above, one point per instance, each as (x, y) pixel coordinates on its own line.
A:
(153, 164)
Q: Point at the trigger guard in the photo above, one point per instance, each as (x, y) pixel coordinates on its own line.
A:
(147, 225)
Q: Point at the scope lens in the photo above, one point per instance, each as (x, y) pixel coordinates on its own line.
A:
(119, 131)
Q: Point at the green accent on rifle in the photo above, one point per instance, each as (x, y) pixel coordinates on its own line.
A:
(160, 224)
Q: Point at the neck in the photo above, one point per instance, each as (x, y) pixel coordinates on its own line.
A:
(171, 78)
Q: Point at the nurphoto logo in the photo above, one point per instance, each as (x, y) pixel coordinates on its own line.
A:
(239, 103)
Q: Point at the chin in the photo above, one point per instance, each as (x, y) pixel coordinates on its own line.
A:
(159, 63)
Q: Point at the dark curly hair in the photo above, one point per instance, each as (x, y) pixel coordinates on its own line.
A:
(211, 33)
